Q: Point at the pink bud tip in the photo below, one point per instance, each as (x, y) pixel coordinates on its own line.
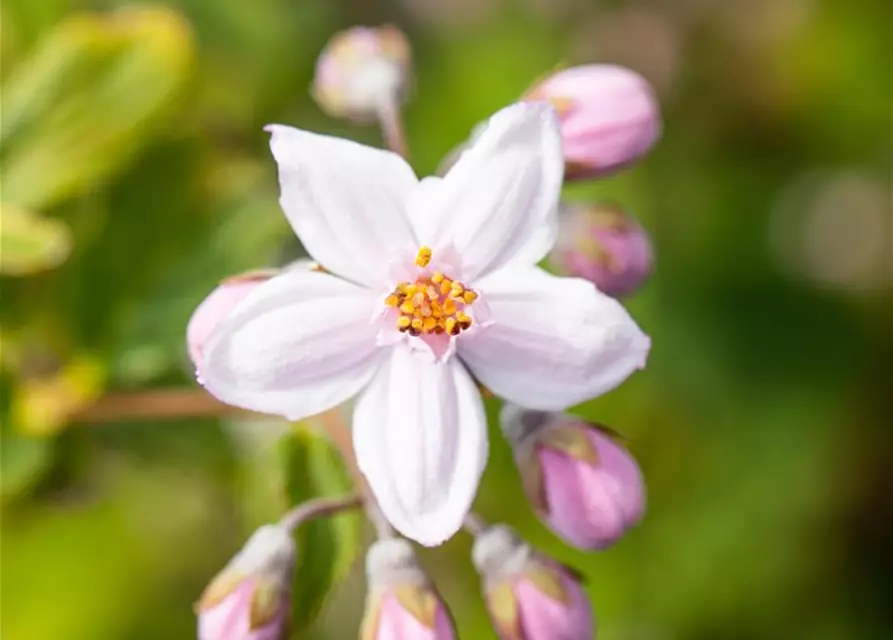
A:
(609, 117)
(605, 245)
(231, 618)
(545, 617)
(591, 503)
(211, 311)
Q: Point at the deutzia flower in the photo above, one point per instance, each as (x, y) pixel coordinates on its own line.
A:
(429, 283)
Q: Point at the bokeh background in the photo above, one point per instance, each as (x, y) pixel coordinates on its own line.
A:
(135, 175)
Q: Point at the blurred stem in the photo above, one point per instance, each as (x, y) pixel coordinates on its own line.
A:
(474, 524)
(319, 508)
(155, 404)
(391, 120)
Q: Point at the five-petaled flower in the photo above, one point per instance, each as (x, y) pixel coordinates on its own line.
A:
(428, 283)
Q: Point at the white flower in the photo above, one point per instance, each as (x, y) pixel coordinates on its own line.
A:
(429, 283)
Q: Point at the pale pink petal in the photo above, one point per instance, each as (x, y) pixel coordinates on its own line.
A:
(554, 342)
(396, 623)
(299, 344)
(230, 617)
(592, 506)
(543, 617)
(347, 202)
(421, 440)
(497, 205)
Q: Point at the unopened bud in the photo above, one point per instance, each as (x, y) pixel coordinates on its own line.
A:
(609, 117)
(249, 598)
(402, 603)
(226, 297)
(583, 483)
(529, 596)
(360, 71)
(605, 245)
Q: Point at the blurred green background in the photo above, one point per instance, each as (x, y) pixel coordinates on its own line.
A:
(135, 175)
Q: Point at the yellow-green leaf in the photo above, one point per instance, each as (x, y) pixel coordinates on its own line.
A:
(31, 243)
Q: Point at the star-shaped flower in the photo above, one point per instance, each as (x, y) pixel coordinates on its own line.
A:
(429, 283)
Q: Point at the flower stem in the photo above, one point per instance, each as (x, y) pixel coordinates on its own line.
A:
(319, 508)
(474, 524)
(391, 121)
(154, 404)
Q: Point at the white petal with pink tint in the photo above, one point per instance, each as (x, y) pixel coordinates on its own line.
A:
(421, 441)
(554, 342)
(497, 205)
(346, 201)
(299, 344)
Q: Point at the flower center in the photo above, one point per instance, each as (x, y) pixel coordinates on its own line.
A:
(433, 304)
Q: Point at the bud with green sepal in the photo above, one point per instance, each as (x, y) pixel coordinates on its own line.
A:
(402, 603)
(249, 598)
(530, 596)
(580, 477)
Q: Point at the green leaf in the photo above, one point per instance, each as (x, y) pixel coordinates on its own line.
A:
(23, 462)
(87, 98)
(327, 547)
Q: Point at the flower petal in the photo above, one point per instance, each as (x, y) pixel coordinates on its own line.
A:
(347, 202)
(554, 342)
(421, 441)
(497, 205)
(299, 344)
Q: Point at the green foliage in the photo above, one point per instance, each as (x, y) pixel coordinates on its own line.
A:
(327, 547)
(80, 105)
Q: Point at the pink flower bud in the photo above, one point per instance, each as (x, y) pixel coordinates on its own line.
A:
(605, 245)
(529, 596)
(211, 311)
(360, 71)
(581, 480)
(609, 117)
(249, 599)
(402, 604)
(225, 298)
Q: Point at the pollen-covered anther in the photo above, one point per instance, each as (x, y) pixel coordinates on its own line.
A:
(424, 257)
(432, 305)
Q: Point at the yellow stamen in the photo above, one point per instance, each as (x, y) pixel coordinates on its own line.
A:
(424, 257)
(432, 305)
